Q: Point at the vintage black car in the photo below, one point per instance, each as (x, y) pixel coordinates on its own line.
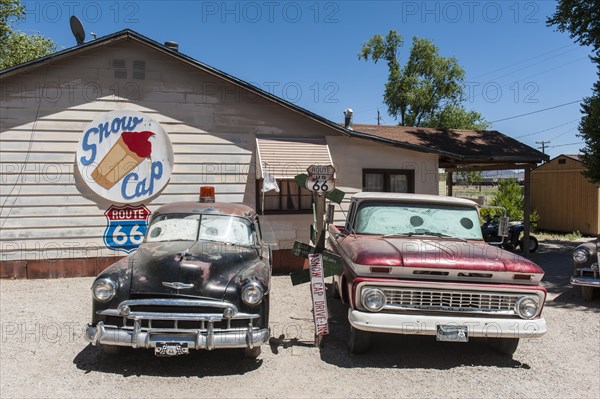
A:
(586, 259)
(200, 280)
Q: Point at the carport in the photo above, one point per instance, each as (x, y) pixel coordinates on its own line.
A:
(465, 151)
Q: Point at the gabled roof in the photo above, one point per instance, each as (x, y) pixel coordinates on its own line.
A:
(574, 157)
(451, 145)
(132, 35)
(470, 146)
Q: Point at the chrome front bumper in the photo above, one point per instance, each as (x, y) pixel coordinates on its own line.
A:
(196, 339)
(427, 325)
(586, 281)
(138, 330)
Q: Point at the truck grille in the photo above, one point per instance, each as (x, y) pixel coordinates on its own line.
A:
(450, 301)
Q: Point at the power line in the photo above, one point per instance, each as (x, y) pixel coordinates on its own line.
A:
(562, 134)
(535, 112)
(565, 145)
(545, 130)
(536, 63)
(525, 60)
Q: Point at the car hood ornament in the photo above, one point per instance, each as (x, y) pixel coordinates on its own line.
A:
(177, 285)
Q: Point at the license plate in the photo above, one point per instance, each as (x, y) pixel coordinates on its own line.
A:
(171, 349)
(449, 333)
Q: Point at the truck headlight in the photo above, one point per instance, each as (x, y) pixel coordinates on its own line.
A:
(527, 307)
(373, 299)
(581, 255)
(104, 289)
(252, 293)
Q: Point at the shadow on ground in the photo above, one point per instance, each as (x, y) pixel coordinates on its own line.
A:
(136, 362)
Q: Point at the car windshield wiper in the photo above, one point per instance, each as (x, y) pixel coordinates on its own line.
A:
(423, 233)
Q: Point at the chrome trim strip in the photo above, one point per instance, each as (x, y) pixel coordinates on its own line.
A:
(586, 281)
(180, 302)
(210, 336)
(176, 316)
(177, 285)
(451, 309)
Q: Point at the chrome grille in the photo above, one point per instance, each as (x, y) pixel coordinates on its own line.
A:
(450, 301)
(178, 314)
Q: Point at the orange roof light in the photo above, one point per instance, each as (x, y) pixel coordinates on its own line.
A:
(207, 194)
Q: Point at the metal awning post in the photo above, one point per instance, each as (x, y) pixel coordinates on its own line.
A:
(527, 210)
(448, 183)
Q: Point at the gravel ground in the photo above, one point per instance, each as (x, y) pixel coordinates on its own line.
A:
(43, 353)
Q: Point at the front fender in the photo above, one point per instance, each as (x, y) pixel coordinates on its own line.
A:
(120, 273)
(591, 248)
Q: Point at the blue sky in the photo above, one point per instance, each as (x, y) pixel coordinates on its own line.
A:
(306, 52)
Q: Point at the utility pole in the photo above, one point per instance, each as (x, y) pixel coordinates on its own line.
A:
(543, 145)
(378, 118)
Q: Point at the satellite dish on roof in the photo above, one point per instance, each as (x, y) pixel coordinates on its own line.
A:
(77, 29)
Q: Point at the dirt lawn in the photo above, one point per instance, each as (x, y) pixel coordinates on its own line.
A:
(43, 353)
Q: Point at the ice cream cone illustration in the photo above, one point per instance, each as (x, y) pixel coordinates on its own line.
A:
(127, 153)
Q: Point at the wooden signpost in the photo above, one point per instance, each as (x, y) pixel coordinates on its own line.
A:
(322, 263)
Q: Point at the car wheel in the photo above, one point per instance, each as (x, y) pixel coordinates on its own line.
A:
(359, 341)
(533, 244)
(588, 293)
(504, 346)
(252, 353)
(111, 350)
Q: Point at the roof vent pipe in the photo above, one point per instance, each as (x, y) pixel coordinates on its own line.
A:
(172, 45)
(348, 118)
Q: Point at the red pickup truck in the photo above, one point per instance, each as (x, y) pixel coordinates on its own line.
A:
(417, 264)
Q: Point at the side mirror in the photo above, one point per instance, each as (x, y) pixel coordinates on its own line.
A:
(503, 226)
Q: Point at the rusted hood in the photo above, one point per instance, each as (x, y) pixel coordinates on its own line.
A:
(420, 252)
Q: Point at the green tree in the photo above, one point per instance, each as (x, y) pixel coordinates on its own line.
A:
(581, 18)
(456, 117)
(428, 90)
(510, 197)
(17, 47)
(472, 177)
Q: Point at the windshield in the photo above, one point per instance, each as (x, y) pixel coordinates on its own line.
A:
(192, 227)
(418, 219)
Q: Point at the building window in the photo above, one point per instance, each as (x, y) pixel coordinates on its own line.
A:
(290, 198)
(389, 180)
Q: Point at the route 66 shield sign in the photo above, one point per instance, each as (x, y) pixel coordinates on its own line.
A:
(126, 227)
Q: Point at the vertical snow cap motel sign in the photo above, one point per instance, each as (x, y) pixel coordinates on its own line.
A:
(125, 157)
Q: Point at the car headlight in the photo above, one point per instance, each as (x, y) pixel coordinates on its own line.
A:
(527, 307)
(104, 289)
(252, 293)
(373, 299)
(581, 255)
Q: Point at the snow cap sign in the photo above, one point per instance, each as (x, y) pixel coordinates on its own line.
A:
(125, 157)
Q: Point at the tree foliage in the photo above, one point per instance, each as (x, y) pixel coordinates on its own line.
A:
(472, 177)
(428, 90)
(581, 18)
(510, 196)
(17, 47)
(456, 117)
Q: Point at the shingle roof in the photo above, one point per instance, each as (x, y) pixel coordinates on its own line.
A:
(465, 145)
